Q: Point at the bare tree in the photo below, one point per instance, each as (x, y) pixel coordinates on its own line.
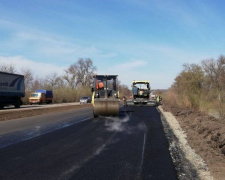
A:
(215, 74)
(70, 77)
(52, 79)
(10, 68)
(37, 84)
(124, 90)
(80, 73)
(85, 71)
(28, 78)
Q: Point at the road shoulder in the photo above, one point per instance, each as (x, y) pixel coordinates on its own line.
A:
(188, 164)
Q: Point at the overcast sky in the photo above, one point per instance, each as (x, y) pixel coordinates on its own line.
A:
(136, 39)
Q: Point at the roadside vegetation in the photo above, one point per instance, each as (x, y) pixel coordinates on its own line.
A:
(69, 87)
(200, 87)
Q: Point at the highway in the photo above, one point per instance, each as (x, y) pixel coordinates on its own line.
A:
(35, 106)
(74, 145)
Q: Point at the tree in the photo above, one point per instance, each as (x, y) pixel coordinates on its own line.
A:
(189, 83)
(124, 90)
(70, 77)
(85, 71)
(28, 78)
(52, 80)
(10, 68)
(215, 74)
(37, 84)
(80, 73)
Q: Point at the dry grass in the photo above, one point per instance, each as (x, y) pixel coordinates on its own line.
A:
(207, 103)
(65, 95)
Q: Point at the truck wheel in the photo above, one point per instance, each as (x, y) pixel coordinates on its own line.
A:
(1, 106)
(17, 104)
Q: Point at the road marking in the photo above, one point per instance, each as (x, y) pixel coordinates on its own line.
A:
(143, 151)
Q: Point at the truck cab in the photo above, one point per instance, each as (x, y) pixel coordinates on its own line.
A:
(41, 96)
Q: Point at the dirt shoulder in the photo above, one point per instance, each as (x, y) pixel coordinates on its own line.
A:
(205, 134)
(22, 113)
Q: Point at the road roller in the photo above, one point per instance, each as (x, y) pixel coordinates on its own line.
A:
(105, 95)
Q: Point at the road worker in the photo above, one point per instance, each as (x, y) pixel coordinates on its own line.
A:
(158, 99)
(124, 100)
(100, 85)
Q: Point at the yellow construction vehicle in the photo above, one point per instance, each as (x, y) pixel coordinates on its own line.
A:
(105, 95)
(141, 94)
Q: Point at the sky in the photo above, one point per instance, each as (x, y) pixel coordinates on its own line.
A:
(135, 39)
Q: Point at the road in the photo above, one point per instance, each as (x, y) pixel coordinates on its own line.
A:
(73, 145)
(35, 106)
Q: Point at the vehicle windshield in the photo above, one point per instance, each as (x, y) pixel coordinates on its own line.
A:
(141, 86)
(34, 95)
(84, 98)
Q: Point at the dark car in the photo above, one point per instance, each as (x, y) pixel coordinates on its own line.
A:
(84, 100)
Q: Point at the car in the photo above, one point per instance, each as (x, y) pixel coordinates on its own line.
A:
(84, 100)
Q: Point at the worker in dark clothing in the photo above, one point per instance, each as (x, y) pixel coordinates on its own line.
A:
(124, 100)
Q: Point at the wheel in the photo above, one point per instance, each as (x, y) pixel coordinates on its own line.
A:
(1, 106)
(40, 103)
(17, 104)
(95, 115)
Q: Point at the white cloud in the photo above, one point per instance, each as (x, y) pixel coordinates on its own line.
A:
(140, 70)
(130, 65)
(39, 69)
(48, 45)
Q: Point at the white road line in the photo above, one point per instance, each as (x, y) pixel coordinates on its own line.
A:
(143, 151)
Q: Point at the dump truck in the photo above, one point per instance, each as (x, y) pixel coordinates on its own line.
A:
(141, 94)
(12, 89)
(105, 95)
(41, 96)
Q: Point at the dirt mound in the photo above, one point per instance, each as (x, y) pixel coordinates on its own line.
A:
(206, 135)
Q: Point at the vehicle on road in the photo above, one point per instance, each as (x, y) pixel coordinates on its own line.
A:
(12, 89)
(141, 94)
(84, 100)
(41, 96)
(105, 97)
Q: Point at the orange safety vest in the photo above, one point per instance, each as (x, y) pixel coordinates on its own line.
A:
(100, 85)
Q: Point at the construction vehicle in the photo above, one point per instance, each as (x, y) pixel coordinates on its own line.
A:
(105, 95)
(141, 95)
(41, 96)
(12, 89)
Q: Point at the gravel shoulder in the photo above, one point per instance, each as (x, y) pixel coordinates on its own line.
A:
(205, 135)
(188, 164)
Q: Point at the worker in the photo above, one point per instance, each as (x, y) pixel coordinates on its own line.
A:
(100, 85)
(124, 100)
(158, 99)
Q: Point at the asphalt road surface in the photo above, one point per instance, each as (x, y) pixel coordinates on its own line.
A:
(73, 145)
(35, 106)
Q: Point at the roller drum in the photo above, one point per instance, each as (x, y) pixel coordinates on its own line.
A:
(106, 108)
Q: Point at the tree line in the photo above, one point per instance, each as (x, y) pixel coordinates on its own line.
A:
(201, 86)
(69, 87)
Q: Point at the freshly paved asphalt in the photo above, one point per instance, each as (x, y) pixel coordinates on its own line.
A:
(132, 146)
